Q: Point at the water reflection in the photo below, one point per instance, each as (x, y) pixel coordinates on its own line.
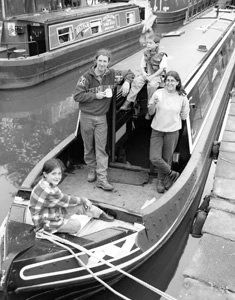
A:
(27, 135)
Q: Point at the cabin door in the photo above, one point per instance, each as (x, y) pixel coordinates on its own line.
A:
(37, 43)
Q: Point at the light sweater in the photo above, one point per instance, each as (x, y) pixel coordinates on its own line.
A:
(170, 109)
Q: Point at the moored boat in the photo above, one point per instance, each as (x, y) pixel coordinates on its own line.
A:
(41, 41)
(145, 220)
(173, 13)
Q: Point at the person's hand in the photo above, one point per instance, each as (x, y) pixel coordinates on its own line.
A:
(152, 106)
(148, 78)
(125, 88)
(153, 102)
(145, 76)
(86, 203)
(100, 95)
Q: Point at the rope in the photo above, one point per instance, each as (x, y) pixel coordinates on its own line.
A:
(88, 252)
(84, 265)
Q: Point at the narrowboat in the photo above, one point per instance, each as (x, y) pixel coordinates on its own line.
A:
(173, 13)
(43, 39)
(51, 266)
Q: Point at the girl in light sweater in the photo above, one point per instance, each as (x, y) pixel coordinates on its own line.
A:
(169, 106)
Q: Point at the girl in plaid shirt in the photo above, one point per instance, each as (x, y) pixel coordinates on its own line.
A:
(55, 211)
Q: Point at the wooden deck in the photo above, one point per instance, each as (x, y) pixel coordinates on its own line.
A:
(130, 197)
(213, 260)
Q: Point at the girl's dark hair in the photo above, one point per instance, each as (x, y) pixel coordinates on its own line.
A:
(51, 164)
(104, 52)
(179, 87)
(48, 167)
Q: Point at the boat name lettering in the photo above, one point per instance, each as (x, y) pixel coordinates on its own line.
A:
(109, 22)
(81, 27)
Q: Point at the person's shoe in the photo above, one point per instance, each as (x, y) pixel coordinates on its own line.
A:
(105, 185)
(126, 105)
(160, 187)
(174, 175)
(105, 217)
(170, 179)
(91, 177)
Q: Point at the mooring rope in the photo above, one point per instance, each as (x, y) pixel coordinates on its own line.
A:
(53, 238)
(85, 266)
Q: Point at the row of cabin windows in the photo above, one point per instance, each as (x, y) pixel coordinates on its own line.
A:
(204, 92)
(66, 34)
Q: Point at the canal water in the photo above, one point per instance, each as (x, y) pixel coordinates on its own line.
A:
(32, 122)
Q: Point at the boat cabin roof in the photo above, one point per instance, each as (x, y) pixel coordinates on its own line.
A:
(188, 39)
(71, 14)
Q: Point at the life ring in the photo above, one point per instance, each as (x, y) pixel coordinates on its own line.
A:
(198, 223)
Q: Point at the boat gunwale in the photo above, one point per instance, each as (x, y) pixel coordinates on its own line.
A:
(195, 160)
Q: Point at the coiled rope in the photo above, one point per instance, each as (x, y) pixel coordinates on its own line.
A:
(60, 241)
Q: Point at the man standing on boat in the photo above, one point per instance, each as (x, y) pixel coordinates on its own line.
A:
(94, 93)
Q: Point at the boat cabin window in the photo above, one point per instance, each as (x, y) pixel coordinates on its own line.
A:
(96, 27)
(130, 18)
(65, 34)
(0, 11)
(117, 20)
(72, 3)
(205, 90)
(205, 96)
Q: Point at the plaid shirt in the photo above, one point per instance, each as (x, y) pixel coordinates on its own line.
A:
(48, 206)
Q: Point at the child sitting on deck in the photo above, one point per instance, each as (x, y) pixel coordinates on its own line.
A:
(55, 211)
(152, 67)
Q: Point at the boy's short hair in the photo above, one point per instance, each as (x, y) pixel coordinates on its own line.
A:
(104, 52)
(154, 37)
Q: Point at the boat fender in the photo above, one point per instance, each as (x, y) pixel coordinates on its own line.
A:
(215, 150)
(200, 218)
(198, 223)
(205, 204)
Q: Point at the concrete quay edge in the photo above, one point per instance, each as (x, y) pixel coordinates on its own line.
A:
(210, 274)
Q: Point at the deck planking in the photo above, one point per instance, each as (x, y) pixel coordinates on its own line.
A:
(127, 196)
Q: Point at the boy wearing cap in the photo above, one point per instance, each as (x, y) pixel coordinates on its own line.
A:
(153, 65)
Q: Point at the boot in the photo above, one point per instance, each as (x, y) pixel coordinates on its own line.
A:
(125, 105)
(160, 186)
(170, 179)
(105, 185)
(91, 177)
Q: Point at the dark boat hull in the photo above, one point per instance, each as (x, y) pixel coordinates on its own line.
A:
(173, 14)
(44, 45)
(31, 71)
(155, 261)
